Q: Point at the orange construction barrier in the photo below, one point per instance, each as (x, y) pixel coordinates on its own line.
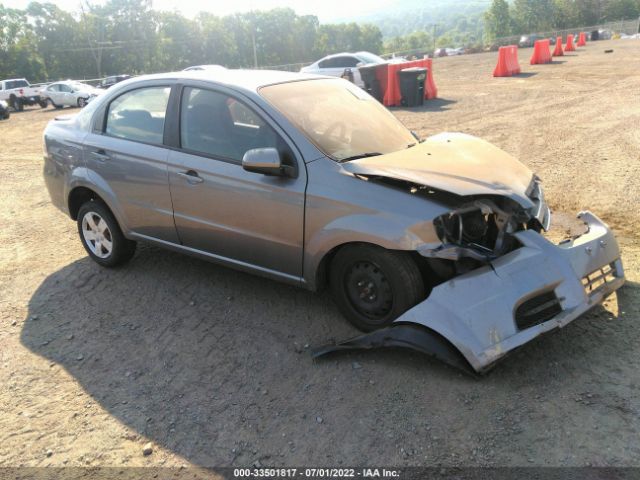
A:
(541, 52)
(570, 47)
(558, 51)
(392, 96)
(507, 62)
(582, 39)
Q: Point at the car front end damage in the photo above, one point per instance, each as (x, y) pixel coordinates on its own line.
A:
(492, 310)
(501, 282)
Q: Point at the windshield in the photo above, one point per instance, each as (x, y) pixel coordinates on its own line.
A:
(342, 120)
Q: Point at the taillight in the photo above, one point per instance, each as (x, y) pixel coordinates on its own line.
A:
(21, 91)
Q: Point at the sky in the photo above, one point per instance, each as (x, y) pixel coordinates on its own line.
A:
(325, 10)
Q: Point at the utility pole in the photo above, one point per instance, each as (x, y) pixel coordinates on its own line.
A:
(255, 52)
(435, 27)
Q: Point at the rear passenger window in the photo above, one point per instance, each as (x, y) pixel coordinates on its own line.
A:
(221, 126)
(139, 115)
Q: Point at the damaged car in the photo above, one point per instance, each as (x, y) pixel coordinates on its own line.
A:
(437, 245)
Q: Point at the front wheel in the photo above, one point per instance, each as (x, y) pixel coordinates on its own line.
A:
(82, 102)
(373, 286)
(57, 107)
(102, 237)
(43, 104)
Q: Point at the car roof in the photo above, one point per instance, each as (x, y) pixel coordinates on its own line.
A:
(249, 80)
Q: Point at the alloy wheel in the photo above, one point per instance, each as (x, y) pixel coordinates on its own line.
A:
(97, 235)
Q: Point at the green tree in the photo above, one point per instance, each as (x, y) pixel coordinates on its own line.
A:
(497, 20)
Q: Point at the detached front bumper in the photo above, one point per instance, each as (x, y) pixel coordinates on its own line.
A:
(540, 287)
(492, 310)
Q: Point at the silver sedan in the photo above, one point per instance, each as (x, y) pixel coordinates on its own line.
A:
(436, 245)
(70, 94)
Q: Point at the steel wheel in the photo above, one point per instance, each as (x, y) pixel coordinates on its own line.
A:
(368, 290)
(97, 235)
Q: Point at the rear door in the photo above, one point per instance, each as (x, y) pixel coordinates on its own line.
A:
(242, 217)
(53, 92)
(127, 158)
(66, 96)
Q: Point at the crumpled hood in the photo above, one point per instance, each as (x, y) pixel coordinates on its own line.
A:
(453, 162)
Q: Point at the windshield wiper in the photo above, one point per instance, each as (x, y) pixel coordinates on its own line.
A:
(360, 155)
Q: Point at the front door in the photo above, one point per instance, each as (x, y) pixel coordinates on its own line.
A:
(246, 218)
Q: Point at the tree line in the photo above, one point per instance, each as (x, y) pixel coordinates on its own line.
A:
(503, 18)
(44, 42)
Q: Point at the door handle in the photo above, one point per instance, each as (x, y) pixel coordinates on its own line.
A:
(100, 155)
(191, 176)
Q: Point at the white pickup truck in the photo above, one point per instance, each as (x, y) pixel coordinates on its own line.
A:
(17, 92)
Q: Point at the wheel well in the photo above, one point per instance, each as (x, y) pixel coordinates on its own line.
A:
(322, 273)
(80, 195)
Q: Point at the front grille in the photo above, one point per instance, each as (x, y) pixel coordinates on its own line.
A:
(537, 310)
(598, 278)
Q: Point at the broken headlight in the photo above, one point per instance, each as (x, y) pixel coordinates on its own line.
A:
(468, 227)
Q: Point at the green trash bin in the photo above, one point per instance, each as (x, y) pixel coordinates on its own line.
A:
(370, 80)
(412, 86)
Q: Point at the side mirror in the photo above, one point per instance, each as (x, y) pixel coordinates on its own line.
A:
(265, 161)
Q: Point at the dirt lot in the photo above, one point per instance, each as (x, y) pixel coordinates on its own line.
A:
(211, 365)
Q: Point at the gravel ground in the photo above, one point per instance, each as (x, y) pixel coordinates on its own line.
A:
(172, 361)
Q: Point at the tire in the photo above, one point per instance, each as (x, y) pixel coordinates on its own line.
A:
(43, 104)
(102, 237)
(57, 107)
(15, 104)
(82, 102)
(373, 286)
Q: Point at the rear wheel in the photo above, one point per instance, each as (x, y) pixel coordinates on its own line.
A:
(16, 104)
(101, 235)
(373, 286)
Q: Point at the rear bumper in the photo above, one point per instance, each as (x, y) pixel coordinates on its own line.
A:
(541, 286)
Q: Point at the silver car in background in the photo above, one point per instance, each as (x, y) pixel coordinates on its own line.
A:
(435, 245)
(70, 94)
(336, 64)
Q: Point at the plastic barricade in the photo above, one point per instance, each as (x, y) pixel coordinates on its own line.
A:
(508, 64)
(392, 96)
(541, 52)
(558, 52)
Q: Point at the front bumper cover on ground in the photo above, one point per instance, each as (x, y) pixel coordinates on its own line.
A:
(480, 314)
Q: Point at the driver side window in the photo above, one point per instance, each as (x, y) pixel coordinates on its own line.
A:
(216, 124)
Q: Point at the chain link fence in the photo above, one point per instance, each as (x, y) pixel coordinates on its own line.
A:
(610, 29)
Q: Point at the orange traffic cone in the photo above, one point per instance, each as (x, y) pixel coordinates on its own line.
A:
(570, 47)
(558, 51)
(582, 39)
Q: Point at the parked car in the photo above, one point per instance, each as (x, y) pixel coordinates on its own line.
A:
(112, 80)
(204, 67)
(309, 180)
(448, 52)
(18, 92)
(70, 94)
(335, 65)
(528, 40)
(4, 110)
